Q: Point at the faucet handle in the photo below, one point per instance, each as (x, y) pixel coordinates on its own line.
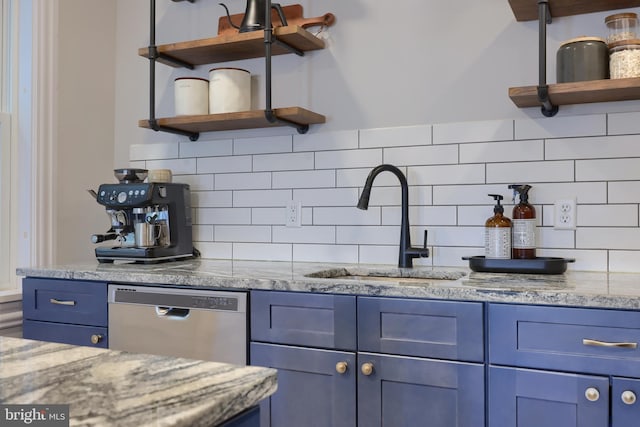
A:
(424, 245)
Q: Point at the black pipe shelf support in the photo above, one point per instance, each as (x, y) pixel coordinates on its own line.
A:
(544, 18)
(153, 57)
(269, 39)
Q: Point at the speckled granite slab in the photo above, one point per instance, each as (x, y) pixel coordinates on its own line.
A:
(615, 290)
(113, 388)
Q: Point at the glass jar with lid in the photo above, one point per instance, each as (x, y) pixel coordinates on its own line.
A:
(624, 59)
(621, 26)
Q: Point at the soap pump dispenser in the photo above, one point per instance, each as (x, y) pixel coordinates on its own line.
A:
(497, 233)
(524, 224)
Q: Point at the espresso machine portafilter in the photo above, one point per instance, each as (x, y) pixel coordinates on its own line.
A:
(150, 222)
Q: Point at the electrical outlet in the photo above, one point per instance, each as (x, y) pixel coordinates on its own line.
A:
(293, 214)
(564, 214)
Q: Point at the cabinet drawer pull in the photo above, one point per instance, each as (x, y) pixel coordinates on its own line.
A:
(597, 343)
(96, 338)
(61, 302)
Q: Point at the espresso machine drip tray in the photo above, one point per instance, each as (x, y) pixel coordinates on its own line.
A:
(138, 255)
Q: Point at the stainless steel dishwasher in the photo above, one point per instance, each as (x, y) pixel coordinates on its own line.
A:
(196, 324)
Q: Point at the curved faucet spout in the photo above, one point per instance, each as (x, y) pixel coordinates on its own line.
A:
(407, 253)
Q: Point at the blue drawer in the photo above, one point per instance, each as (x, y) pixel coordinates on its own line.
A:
(64, 333)
(326, 321)
(66, 301)
(422, 328)
(570, 339)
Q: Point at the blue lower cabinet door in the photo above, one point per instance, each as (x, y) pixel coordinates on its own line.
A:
(625, 402)
(531, 398)
(316, 388)
(399, 391)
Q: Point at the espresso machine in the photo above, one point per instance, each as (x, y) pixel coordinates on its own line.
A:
(150, 222)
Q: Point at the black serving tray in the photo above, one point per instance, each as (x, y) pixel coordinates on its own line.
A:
(540, 265)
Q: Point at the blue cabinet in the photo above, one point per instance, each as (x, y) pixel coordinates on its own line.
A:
(409, 391)
(316, 387)
(406, 361)
(65, 311)
(560, 366)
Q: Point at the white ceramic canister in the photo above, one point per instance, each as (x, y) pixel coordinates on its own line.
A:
(229, 90)
(191, 96)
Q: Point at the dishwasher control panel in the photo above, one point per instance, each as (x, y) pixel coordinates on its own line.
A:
(183, 298)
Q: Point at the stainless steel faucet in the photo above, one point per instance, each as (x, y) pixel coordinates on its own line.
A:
(407, 253)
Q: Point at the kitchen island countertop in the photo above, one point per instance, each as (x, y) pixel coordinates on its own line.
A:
(579, 289)
(114, 388)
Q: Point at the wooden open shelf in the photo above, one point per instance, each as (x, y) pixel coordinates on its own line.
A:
(579, 92)
(242, 120)
(527, 10)
(236, 46)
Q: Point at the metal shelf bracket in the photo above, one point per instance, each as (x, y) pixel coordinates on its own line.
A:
(544, 18)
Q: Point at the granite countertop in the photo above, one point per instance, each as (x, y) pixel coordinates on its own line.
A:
(107, 387)
(580, 289)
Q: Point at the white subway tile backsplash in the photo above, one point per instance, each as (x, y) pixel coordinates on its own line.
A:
(340, 140)
(624, 123)
(624, 192)
(607, 215)
(452, 236)
(214, 250)
(468, 194)
(212, 199)
(327, 196)
(305, 179)
(592, 148)
(480, 131)
(283, 162)
(624, 261)
(224, 216)
(550, 238)
(453, 174)
(424, 155)
(224, 164)
(206, 148)
(530, 172)
(263, 145)
(561, 127)
(261, 198)
(608, 170)
(177, 166)
(421, 215)
(325, 253)
(346, 216)
(240, 187)
(395, 137)
(262, 251)
(348, 159)
(243, 233)
(368, 235)
(371, 254)
(196, 182)
(509, 151)
(153, 151)
(608, 238)
(306, 234)
(243, 181)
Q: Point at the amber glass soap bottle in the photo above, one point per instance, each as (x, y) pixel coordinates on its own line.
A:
(523, 242)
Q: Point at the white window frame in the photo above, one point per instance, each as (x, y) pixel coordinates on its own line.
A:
(28, 103)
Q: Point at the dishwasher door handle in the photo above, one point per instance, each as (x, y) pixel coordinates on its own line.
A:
(172, 312)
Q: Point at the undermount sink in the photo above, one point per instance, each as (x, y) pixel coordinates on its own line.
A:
(388, 274)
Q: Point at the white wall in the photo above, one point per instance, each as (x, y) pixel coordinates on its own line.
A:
(85, 113)
(422, 85)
